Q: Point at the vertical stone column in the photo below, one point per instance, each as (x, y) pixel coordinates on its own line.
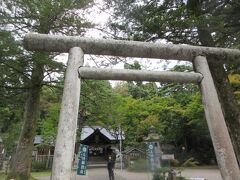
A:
(159, 153)
(65, 143)
(226, 158)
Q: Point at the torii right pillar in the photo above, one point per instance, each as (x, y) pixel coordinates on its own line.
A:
(225, 155)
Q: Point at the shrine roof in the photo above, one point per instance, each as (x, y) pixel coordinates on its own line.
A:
(87, 131)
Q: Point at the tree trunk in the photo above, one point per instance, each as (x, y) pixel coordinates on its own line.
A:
(20, 164)
(226, 96)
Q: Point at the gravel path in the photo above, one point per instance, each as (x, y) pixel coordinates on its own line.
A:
(208, 174)
(102, 174)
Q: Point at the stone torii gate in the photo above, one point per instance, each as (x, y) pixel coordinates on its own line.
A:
(77, 46)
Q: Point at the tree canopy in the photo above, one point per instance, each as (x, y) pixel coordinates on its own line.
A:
(206, 23)
(35, 69)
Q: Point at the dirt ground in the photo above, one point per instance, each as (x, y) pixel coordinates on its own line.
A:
(102, 174)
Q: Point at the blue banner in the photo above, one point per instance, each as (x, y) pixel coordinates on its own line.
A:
(83, 157)
(151, 155)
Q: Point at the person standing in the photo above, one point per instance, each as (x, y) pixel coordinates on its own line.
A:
(110, 165)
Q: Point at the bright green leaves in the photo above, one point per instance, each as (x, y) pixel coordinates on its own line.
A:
(46, 16)
(50, 124)
(10, 126)
(95, 101)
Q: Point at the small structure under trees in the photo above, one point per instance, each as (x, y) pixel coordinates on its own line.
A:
(132, 154)
(99, 140)
(199, 56)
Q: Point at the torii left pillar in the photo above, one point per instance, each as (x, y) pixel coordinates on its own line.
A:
(67, 126)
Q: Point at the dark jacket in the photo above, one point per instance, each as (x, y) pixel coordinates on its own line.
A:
(111, 161)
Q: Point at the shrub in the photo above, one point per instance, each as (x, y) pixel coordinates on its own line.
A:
(166, 173)
(174, 163)
(39, 166)
(191, 162)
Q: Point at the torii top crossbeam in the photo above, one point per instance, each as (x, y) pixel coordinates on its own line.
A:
(54, 43)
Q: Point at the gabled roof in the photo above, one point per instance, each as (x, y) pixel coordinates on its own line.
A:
(96, 138)
(130, 149)
(38, 139)
(87, 131)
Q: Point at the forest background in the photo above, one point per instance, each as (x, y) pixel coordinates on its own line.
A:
(31, 83)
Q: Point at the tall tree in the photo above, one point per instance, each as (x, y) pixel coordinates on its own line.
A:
(12, 91)
(22, 16)
(229, 103)
(195, 22)
(137, 89)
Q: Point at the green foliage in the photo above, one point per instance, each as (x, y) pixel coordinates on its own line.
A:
(50, 124)
(183, 122)
(10, 126)
(2, 175)
(11, 97)
(144, 91)
(176, 90)
(39, 166)
(49, 112)
(46, 16)
(11, 136)
(21, 70)
(166, 173)
(96, 108)
(96, 102)
(174, 110)
(11, 81)
(41, 174)
(24, 73)
(142, 114)
(234, 79)
(208, 23)
(176, 21)
(191, 162)
(178, 116)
